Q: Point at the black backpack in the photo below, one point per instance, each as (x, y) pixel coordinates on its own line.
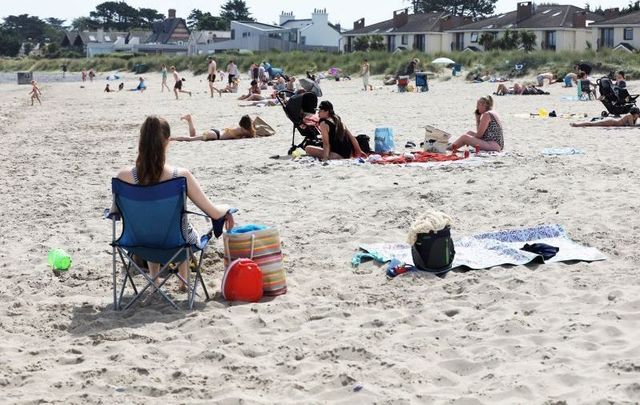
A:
(363, 141)
(434, 251)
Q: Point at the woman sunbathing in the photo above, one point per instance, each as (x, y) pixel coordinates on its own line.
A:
(150, 168)
(245, 129)
(488, 135)
(254, 93)
(628, 120)
(503, 90)
(337, 141)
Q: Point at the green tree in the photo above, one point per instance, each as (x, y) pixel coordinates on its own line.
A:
(528, 40)
(471, 8)
(235, 10)
(147, 16)
(116, 15)
(9, 42)
(84, 24)
(361, 43)
(510, 40)
(28, 28)
(487, 40)
(198, 20)
(377, 43)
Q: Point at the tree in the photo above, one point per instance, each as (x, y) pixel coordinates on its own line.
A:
(9, 42)
(147, 16)
(377, 43)
(116, 15)
(361, 43)
(235, 10)
(487, 40)
(28, 28)
(528, 40)
(470, 8)
(510, 40)
(198, 20)
(84, 24)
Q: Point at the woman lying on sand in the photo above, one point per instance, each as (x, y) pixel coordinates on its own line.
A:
(337, 141)
(628, 120)
(245, 129)
(488, 135)
(150, 168)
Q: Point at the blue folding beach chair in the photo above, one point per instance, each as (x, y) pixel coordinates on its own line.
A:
(152, 231)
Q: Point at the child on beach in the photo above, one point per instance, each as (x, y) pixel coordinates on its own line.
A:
(488, 134)
(177, 87)
(35, 92)
(245, 129)
(164, 85)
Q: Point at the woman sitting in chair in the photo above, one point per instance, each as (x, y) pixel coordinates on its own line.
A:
(488, 135)
(150, 168)
(337, 141)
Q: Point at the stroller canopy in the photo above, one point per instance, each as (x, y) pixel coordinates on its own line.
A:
(310, 86)
(299, 104)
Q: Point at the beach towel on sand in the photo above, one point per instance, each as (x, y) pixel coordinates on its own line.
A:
(486, 250)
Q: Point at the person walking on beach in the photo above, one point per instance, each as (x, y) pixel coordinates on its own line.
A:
(163, 70)
(64, 69)
(211, 77)
(35, 92)
(628, 120)
(177, 87)
(91, 75)
(365, 75)
(232, 71)
(84, 74)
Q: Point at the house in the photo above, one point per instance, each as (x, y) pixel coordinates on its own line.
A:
(255, 36)
(205, 41)
(171, 31)
(556, 27)
(617, 31)
(425, 32)
(316, 32)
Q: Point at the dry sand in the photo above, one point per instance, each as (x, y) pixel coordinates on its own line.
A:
(560, 333)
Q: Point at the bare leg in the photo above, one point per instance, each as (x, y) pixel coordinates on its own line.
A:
(154, 269)
(175, 91)
(318, 152)
(605, 123)
(183, 271)
(184, 91)
(469, 140)
(189, 120)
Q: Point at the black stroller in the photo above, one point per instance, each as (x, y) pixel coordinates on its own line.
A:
(616, 100)
(296, 107)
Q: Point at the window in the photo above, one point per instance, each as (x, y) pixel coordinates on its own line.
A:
(404, 39)
(550, 40)
(92, 38)
(628, 34)
(418, 42)
(474, 37)
(246, 34)
(107, 38)
(233, 34)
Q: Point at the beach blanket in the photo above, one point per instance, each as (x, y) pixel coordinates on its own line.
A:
(486, 250)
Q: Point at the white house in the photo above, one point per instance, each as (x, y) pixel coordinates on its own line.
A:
(619, 32)
(314, 32)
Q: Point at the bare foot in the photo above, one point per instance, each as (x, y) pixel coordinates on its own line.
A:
(186, 117)
(573, 124)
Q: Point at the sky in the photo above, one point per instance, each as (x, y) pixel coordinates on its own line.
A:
(340, 11)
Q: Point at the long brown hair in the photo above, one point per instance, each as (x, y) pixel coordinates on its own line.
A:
(154, 135)
(328, 107)
(246, 123)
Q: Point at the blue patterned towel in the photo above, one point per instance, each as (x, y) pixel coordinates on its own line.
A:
(486, 250)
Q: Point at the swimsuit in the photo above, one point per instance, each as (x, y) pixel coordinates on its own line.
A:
(342, 147)
(493, 133)
(178, 85)
(211, 77)
(208, 135)
(190, 235)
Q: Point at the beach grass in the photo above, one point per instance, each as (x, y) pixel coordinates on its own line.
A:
(296, 63)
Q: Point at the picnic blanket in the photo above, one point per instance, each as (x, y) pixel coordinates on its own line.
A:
(562, 151)
(486, 250)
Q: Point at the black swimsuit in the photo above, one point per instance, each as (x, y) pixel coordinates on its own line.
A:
(341, 146)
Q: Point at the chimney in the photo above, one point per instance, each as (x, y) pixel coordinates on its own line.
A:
(338, 27)
(358, 24)
(320, 17)
(400, 18)
(172, 13)
(580, 19)
(525, 10)
(284, 17)
(611, 12)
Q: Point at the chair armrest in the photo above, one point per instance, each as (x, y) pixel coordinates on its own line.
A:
(107, 214)
(217, 225)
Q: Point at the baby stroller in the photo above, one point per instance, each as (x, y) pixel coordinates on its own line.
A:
(616, 100)
(296, 107)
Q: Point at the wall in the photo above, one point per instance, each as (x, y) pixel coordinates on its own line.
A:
(320, 35)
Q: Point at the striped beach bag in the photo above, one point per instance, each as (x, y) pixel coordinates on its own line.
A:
(262, 245)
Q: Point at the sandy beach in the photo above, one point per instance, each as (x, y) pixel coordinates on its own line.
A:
(562, 333)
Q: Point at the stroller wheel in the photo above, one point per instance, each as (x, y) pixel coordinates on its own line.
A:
(604, 114)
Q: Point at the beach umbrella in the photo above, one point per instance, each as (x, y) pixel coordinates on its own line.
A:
(442, 61)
